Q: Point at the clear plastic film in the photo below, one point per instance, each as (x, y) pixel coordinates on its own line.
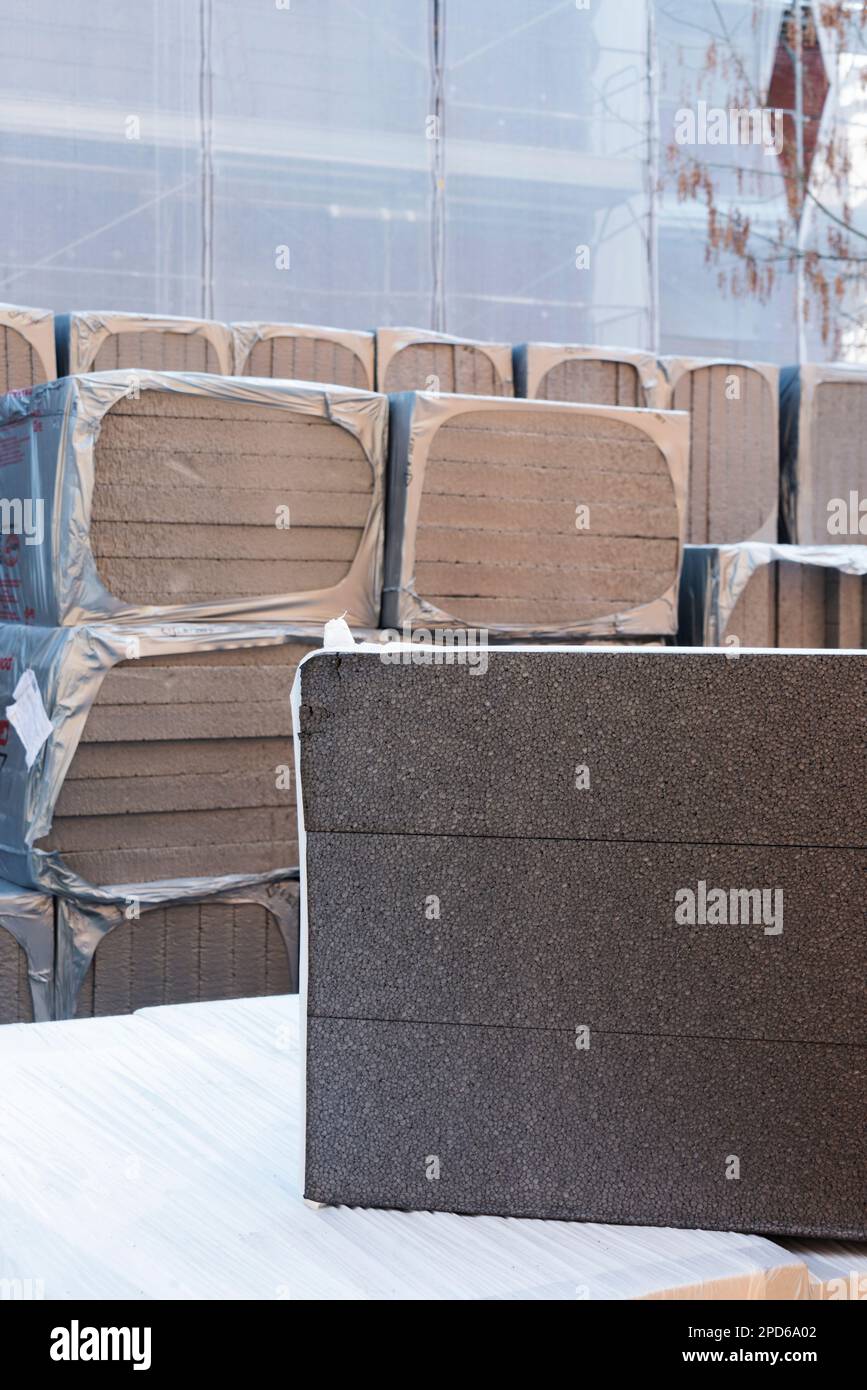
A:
(48, 437)
(360, 344)
(415, 419)
(81, 335)
(715, 576)
(29, 918)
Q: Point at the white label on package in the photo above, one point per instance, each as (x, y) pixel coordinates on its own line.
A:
(27, 716)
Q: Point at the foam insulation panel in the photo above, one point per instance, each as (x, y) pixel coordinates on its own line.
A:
(734, 448)
(26, 955)
(169, 756)
(823, 427)
(505, 1015)
(303, 352)
(114, 958)
(589, 375)
(774, 596)
(413, 359)
(105, 342)
(197, 497)
(534, 517)
(26, 348)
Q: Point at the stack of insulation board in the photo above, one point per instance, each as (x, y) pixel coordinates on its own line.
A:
(26, 347)
(599, 997)
(198, 496)
(774, 596)
(824, 459)
(523, 516)
(588, 375)
(96, 341)
(116, 956)
(733, 409)
(304, 352)
(167, 783)
(177, 769)
(411, 359)
(172, 501)
(734, 447)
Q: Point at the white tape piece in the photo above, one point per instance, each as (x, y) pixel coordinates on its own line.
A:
(27, 716)
(337, 635)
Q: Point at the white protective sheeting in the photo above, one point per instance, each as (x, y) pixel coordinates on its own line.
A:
(155, 1156)
(278, 162)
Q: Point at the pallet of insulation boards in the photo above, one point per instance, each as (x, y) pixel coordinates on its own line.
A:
(589, 375)
(774, 596)
(823, 438)
(196, 497)
(26, 347)
(413, 359)
(96, 341)
(305, 352)
(142, 945)
(480, 1040)
(149, 754)
(517, 517)
(26, 955)
(734, 446)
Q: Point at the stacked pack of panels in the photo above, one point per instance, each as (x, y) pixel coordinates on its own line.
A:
(26, 955)
(116, 957)
(580, 940)
(26, 347)
(303, 352)
(413, 359)
(163, 777)
(198, 497)
(105, 342)
(774, 596)
(168, 755)
(176, 771)
(734, 447)
(588, 375)
(537, 517)
(823, 427)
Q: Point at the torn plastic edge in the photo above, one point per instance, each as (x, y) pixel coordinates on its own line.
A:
(415, 418)
(715, 576)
